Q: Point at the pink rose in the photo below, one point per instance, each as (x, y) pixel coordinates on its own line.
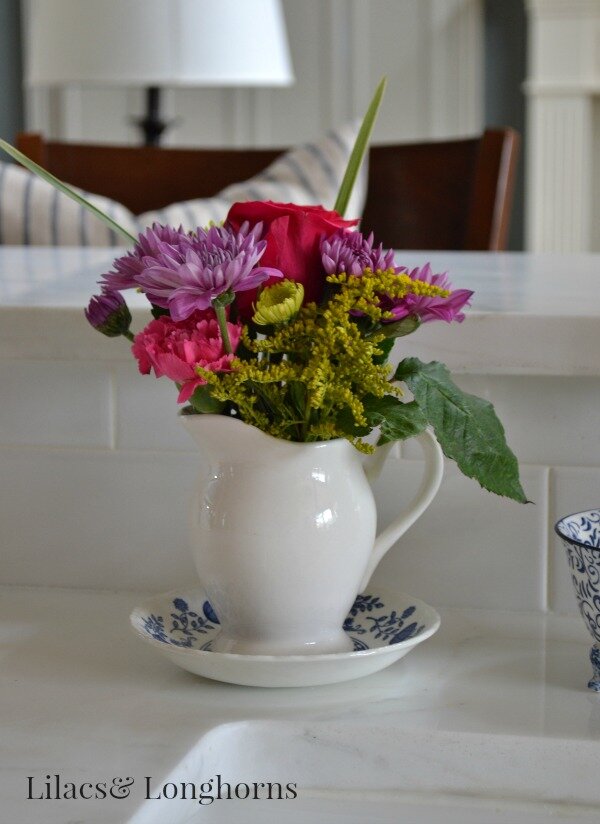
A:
(293, 235)
(174, 349)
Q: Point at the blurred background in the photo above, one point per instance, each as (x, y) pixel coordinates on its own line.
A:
(454, 67)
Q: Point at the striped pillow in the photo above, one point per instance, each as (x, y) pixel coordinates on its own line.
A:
(33, 213)
(309, 175)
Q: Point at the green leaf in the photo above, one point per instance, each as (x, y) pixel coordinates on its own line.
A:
(466, 427)
(386, 347)
(358, 152)
(297, 395)
(400, 328)
(203, 401)
(398, 420)
(65, 189)
(345, 423)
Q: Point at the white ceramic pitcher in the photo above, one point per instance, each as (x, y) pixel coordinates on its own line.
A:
(283, 534)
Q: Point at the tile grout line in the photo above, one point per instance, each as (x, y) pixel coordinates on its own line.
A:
(16, 448)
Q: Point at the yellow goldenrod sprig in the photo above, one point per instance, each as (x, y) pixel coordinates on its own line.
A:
(311, 375)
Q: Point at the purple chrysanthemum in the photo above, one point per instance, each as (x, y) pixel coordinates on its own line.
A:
(352, 253)
(209, 263)
(155, 246)
(429, 308)
(109, 314)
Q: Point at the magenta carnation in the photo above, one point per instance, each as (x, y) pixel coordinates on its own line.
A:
(209, 263)
(352, 253)
(175, 349)
(429, 308)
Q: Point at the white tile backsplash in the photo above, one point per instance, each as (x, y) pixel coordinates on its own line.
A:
(106, 520)
(470, 547)
(96, 473)
(547, 426)
(55, 403)
(573, 489)
(146, 412)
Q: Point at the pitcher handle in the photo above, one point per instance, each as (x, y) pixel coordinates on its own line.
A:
(432, 477)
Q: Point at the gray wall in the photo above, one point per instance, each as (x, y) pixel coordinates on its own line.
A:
(11, 96)
(505, 66)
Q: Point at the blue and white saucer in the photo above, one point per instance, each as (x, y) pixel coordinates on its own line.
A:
(383, 628)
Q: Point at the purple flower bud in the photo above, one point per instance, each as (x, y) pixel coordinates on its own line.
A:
(109, 314)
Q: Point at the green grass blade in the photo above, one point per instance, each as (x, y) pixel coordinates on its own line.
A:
(358, 152)
(65, 189)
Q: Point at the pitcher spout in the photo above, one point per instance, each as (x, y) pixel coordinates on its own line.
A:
(225, 436)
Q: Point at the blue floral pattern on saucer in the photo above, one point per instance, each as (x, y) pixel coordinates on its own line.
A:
(383, 628)
(387, 625)
(186, 625)
(369, 623)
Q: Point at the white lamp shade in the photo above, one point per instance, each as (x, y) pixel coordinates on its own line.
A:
(157, 43)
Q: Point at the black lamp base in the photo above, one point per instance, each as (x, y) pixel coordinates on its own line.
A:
(151, 125)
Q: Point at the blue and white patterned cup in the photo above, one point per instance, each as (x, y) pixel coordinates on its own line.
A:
(580, 534)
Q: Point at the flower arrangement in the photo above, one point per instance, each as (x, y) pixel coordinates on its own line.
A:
(298, 369)
(285, 317)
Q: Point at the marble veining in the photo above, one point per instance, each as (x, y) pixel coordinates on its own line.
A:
(493, 710)
(527, 315)
(522, 283)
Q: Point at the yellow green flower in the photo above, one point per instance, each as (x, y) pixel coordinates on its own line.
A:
(279, 303)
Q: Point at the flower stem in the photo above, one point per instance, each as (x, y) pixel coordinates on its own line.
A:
(222, 321)
(306, 421)
(129, 335)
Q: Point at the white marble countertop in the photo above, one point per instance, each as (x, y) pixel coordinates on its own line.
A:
(489, 721)
(531, 314)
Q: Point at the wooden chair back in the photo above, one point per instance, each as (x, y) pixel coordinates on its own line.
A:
(454, 195)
